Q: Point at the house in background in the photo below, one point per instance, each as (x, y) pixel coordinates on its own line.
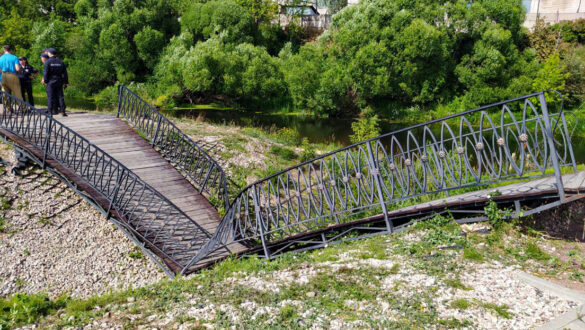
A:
(314, 15)
(553, 11)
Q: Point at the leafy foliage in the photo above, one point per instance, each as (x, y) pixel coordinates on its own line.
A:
(552, 76)
(389, 55)
(365, 127)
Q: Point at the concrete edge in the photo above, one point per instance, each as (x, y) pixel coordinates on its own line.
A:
(560, 291)
(563, 321)
(552, 288)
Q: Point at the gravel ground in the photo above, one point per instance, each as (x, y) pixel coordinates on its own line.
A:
(484, 283)
(54, 242)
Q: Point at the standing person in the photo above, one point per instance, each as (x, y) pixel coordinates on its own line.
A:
(55, 80)
(26, 76)
(9, 68)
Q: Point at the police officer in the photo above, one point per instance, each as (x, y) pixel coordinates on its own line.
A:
(26, 76)
(55, 80)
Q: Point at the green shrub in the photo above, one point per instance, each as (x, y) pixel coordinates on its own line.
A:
(26, 309)
(365, 127)
(288, 136)
(308, 151)
(284, 153)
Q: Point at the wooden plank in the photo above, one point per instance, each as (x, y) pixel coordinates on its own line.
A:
(574, 182)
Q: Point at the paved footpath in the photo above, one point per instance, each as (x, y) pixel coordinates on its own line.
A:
(574, 319)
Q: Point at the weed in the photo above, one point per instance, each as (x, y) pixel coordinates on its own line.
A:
(471, 253)
(282, 152)
(22, 205)
(45, 222)
(2, 225)
(501, 310)
(26, 252)
(395, 269)
(461, 303)
(308, 150)
(5, 204)
(532, 251)
(455, 283)
(495, 215)
(136, 253)
(288, 135)
(23, 309)
(577, 276)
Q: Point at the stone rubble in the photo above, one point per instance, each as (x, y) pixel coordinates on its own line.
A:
(54, 242)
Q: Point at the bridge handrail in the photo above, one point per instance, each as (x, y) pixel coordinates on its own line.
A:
(202, 170)
(122, 192)
(380, 171)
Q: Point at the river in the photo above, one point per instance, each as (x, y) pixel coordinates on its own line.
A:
(316, 130)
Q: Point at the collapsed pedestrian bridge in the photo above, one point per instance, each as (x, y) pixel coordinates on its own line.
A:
(171, 197)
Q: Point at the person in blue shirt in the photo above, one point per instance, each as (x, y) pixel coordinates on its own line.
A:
(55, 79)
(9, 69)
(26, 76)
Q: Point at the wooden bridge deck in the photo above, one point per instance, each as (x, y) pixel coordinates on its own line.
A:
(574, 184)
(120, 141)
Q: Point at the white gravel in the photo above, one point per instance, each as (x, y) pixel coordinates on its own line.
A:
(56, 243)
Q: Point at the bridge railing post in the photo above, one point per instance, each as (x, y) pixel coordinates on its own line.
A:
(116, 189)
(553, 150)
(260, 221)
(49, 130)
(374, 168)
(156, 131)
(119, 101)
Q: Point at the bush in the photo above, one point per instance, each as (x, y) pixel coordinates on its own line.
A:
(367, 126)
(574, 61)
(308, 151)
(284, 153)
(107, 98)
(288, 135)
(551, 76)
(218, 19)
(23, 309)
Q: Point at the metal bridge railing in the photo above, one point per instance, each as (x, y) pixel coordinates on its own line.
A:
(511, 140)
(200, 168)
(145, 215)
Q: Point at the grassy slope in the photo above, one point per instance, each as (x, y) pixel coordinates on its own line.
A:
(319, 291)
(325, 287)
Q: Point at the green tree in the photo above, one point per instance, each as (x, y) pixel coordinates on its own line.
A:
(225, 20)
(148, 45)
(14, 31)
(552, 76)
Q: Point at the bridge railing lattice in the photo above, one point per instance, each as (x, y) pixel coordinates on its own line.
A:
(177, 147)
(518, 139)
(144, 214)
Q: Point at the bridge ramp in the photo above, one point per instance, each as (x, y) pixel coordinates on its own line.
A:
(115, 137)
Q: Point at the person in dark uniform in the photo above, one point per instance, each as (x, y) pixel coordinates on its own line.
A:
(55, 80)
(26, 76)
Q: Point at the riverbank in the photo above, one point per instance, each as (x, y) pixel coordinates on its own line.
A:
(453, 276)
